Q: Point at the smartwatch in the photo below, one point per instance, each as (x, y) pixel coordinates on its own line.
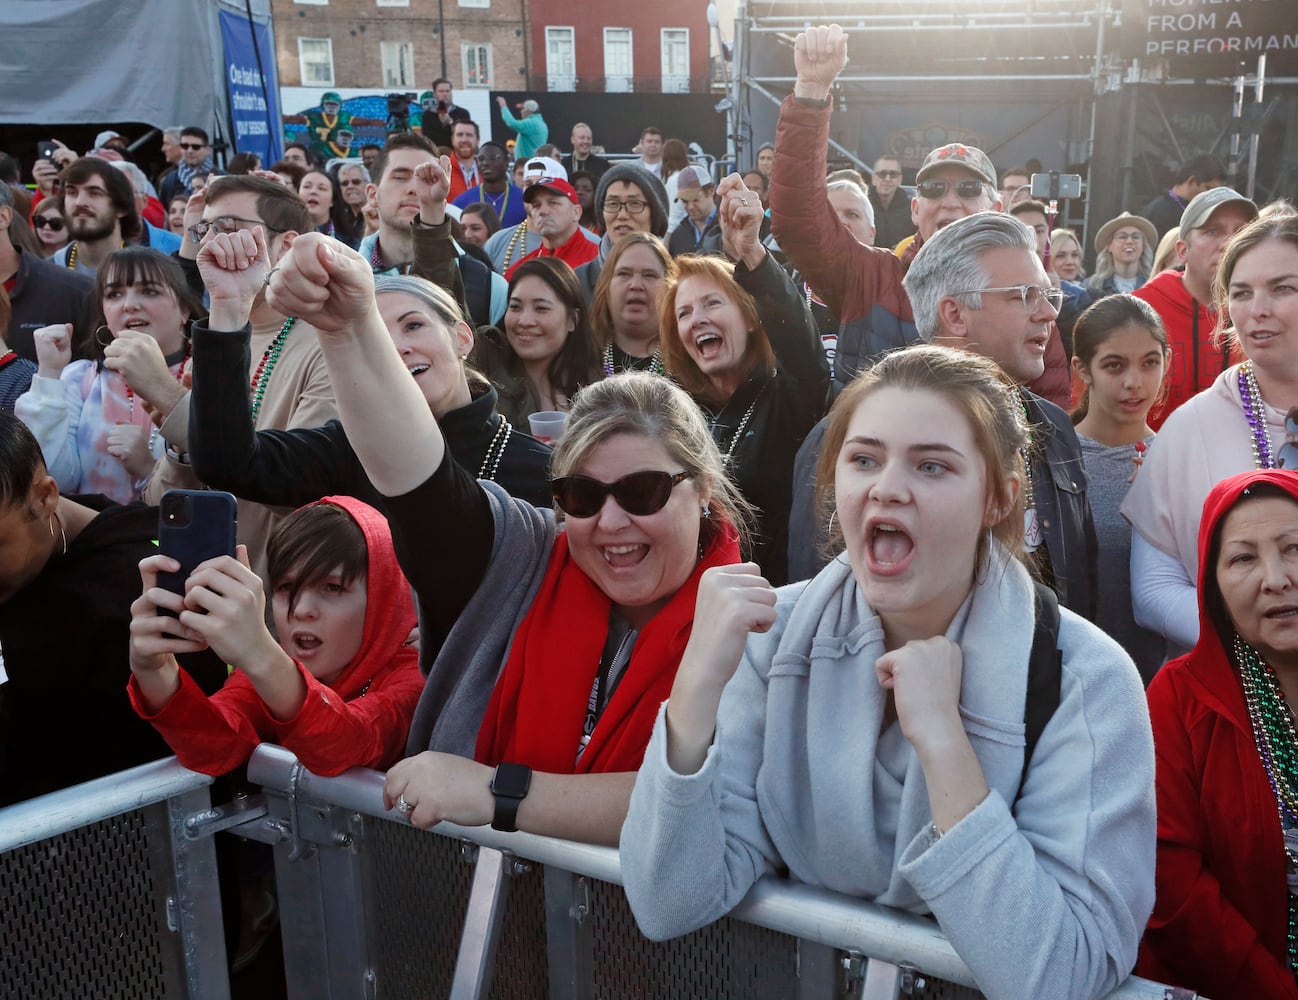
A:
(509, 785)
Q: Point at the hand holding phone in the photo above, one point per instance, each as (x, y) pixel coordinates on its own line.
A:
(193, 527)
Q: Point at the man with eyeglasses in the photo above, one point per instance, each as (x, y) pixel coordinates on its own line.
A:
(40, 294)
(244, 338)
(353, 179)
(862, 285)
(892, 221)
(195, 158)
(630, 200)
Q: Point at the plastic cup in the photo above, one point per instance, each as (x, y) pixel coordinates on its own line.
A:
(548, 426)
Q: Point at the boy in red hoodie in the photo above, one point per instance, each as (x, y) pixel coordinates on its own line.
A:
(340, 685)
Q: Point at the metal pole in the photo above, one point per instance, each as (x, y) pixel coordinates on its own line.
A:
(1236, 123)
(441, 31)
(1256, 129)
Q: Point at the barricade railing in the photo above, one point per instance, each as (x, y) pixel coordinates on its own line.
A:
(370, 906)
(110, 889)
(105, 893)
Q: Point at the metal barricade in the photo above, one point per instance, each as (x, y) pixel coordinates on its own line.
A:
(372, 907)
(103, 895)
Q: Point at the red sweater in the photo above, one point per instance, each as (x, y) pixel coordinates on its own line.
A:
(577, 251)
(361, 721)
(1221, 914)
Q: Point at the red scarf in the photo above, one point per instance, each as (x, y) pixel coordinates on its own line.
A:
(538, 706)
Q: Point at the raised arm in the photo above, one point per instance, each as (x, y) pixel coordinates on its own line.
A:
(784, 313)
(387, 420)
(849, 277)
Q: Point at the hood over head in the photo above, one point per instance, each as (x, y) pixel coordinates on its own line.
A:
(1215, 629)
(389, 606)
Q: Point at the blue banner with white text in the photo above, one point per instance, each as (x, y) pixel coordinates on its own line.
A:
(254, 103)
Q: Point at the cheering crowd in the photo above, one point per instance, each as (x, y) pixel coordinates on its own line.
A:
(628, 505)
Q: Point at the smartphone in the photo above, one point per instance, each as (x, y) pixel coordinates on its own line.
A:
(194, 526)
(1054, 186)
(46, 150)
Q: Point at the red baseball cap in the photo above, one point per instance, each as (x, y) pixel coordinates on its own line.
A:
(556, 184)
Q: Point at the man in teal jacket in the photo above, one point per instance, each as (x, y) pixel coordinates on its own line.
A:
(530, 126)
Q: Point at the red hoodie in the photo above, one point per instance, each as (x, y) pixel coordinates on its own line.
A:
(1197, 359)
(360, 721)
(1221, 914)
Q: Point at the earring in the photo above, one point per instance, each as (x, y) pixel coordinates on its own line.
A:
(706, 511)
(100, 339)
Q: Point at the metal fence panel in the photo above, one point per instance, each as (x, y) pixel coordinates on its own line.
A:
(727, 959)
(419, 888)
(84, 914)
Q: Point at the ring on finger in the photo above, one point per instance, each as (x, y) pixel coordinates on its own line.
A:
(266, 279)
(404, 807)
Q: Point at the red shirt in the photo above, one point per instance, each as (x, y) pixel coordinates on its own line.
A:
(577, 251)
(459, 183)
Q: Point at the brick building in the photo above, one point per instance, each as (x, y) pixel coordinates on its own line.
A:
(399, 45)
(595, 45)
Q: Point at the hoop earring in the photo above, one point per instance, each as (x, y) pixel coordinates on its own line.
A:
(99, 335)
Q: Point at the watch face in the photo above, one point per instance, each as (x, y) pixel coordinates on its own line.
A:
(511, 780)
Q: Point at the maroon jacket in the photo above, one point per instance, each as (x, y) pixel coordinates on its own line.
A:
(860, 284)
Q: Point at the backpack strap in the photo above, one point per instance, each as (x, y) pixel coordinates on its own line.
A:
(1045, 673)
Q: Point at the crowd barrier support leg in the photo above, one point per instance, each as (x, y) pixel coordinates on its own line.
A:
(323, 909)
(194, 910)
(819, 971)
(569, 943)
(488, 896)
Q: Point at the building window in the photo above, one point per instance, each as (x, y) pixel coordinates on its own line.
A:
(392, 3)
(617, 60)
(676, 60)
(560, 59)
(318, 3)
(315, 57)
(398, 63)
(475, 3)
(477, 64)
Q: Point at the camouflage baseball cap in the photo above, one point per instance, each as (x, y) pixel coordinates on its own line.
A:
(958, 154)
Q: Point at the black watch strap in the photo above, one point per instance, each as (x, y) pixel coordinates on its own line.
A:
(509, 785)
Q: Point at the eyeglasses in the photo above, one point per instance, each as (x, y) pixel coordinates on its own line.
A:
(1030, 295)
(227, 224)
(887, 173)
(193, 145)
(50, 222)
(612, 206)
(934, 189)
(490, 158)
(1128, 237)
(639, 494)
(1288, 456)
(356, 182)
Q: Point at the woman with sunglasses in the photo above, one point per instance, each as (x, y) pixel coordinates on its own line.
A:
(300, 465)
(871, 732)
(547, 651)
(51, 230)
(95, 418)
(1247, 419)
(741, 341)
